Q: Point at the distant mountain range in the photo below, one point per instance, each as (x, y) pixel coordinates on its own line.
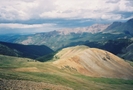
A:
(96, 28)
(112, 37)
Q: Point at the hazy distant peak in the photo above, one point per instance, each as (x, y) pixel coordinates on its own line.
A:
(95, 28)
(130, 20)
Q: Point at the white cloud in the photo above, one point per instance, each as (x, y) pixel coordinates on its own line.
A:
(24, 26)
(111, 16)
(31, 9)
(64, 13)
(89, 9)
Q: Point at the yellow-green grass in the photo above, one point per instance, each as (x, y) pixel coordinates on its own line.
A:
(131, 62)
(12, 68)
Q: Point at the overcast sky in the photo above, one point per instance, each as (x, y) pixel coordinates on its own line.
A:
(45, 15)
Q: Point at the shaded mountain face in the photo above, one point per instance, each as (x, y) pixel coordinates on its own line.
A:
(119, 27)
(30, 51)
(5, 50)
(114, 46)
(93, 62)
(127, 52)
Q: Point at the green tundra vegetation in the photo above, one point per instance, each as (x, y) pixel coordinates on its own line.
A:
(14, 68)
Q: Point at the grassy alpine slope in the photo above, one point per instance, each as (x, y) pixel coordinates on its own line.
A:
(47, 76)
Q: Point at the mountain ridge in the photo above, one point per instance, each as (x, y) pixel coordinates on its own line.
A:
(93, 62)
(95, 28)
(126, 27)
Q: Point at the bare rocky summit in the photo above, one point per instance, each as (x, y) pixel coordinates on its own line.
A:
(93, 62)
